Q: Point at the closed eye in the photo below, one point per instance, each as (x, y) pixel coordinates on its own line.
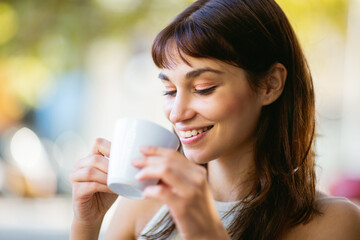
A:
(205, 91)
(169, 93)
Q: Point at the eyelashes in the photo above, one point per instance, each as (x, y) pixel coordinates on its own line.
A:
(169, 93)
(206, 91)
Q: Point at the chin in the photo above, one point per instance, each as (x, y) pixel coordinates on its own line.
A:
(197, 156)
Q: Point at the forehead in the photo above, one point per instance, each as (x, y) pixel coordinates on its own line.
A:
(180, 67)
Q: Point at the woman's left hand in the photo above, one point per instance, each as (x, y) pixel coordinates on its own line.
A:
(184, 188)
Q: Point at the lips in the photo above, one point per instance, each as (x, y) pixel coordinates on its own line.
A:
(193, 132)
(191, 136)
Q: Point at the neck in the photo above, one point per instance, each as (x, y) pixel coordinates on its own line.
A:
(231, 177)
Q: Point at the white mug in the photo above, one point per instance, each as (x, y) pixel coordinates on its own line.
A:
(129, 135)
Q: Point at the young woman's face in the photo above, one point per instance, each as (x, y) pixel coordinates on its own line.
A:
(212, 108)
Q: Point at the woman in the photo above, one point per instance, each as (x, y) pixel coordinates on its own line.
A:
(239, 94)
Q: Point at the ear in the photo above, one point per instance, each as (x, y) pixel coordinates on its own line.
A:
(274, 83)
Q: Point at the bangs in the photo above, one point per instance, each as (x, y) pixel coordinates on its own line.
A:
(189, 38)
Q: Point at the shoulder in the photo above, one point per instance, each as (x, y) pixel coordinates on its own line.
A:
(130, 217)
(339, 218)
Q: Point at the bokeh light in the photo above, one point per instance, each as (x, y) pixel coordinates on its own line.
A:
(28, 77)
(8, 22)
(27, 151)
(30, 157)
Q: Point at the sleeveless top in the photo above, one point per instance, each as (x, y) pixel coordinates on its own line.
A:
(223, 209)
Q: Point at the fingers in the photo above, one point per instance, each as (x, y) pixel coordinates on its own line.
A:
(168, 175)
(86, 189)
(170, 155)
(183, 177)
(89, 174)
(101, 146)
(170, 160)
(92, 170)
(157, 151)
(87, 180)
(165, 165)
(161, 193)
(94, 160)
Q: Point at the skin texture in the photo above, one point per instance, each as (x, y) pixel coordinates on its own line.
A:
(91, 196)
(232, 109)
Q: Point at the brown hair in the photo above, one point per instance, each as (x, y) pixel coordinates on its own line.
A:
(254, 35)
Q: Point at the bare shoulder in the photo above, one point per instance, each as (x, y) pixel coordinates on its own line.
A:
(130, 217)
(340, 218)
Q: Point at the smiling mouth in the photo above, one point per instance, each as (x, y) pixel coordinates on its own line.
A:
(194, 132)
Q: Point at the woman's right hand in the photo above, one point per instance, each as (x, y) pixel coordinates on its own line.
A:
(91, 196)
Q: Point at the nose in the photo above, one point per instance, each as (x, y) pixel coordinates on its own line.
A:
(181, 109)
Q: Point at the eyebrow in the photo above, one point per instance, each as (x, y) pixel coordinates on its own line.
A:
(192, 74)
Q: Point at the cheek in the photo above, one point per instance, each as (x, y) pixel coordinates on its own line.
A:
(225, 106)
(167, 106)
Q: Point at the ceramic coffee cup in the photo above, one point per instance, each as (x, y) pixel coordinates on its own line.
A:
(128, 136)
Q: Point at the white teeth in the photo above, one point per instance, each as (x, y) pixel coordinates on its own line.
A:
(187, 134)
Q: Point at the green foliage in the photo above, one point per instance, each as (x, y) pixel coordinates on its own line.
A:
(80, 22)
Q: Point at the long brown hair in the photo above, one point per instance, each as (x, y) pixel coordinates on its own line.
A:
(254, 35)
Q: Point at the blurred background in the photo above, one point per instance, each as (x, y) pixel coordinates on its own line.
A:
(70, 68)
